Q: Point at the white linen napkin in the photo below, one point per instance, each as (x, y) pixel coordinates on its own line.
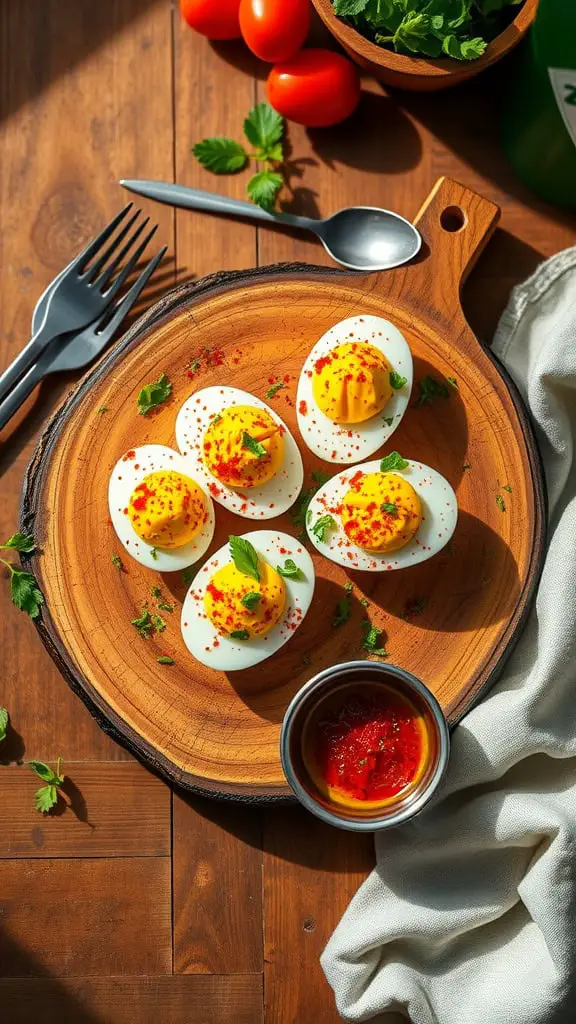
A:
(470, 914)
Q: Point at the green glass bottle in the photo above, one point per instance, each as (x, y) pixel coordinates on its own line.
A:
(539, 126)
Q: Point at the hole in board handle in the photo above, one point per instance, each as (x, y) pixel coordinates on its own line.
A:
(453, 219)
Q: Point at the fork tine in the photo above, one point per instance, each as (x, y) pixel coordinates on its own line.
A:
(94, 270)
(132, 294)
(93, 247)
(108, 273)
(116, 286)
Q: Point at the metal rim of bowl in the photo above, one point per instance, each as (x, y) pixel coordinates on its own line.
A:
(374, 824)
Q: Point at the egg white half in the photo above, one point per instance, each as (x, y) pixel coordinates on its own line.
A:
(220, 652)
(126, 475)
(439, 511)
(272, 498)
(344, 442)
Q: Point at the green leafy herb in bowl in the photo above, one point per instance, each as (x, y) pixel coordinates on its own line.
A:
(460, 29)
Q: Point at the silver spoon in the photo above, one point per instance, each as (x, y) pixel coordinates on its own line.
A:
(359, 237)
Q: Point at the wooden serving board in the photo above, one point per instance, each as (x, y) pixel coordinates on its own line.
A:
(218, 733)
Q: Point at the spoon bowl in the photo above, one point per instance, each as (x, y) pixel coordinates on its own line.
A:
(368, 238)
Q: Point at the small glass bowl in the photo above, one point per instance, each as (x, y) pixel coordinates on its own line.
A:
(351, 676)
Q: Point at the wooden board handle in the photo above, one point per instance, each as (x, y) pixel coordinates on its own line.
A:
(455, 223)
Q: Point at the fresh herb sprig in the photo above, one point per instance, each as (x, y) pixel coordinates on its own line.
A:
(372, 641)
(24, 589)
(264, 129)
(4, 722)
(290, 570)
(152, 395)
(47, 796)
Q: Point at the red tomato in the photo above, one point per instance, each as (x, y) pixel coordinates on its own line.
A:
(274, 29)
(217, 19)
(315, 88)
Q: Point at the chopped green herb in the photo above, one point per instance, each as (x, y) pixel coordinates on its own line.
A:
(392, 462)
(388, 420)
(397, 381)
(390, 508)
(431, 389)
(254, 446)
(154, 554)
(322, 526)
(506, 487)
(372, 639)
(274, 389)
(102, 409)
(188, 576)
(4, 720)
(156, 592)
(251, 599)
(163, 606)
(244, 556)
(320, 477)
(300, 512)
(47, 796)
(144, 624)
(466, 466)
(153, 395)
(500, 502)
(23, 542)
(165, 660)
(290, 570)
(117, 561)
(342, 612)
(216, 419)
(239, 634)
(158, 623)
(364, 602)
(452, 382)
(348, 587)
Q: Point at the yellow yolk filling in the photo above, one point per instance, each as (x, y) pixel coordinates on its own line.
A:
(167, 509)
(352, 382)
(243, 447)
(223, 600)
(381, 511)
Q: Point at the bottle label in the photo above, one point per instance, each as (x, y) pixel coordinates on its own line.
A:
(564, 85)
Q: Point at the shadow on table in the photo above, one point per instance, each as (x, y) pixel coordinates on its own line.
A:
(505, 262)
(29, 993)
(75, 30)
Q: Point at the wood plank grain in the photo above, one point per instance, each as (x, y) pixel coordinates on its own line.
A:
(108, 810)
(80, 91)
(85, 917)
(175, 1000)
(217, 871)
(213, 95)
(311, 872)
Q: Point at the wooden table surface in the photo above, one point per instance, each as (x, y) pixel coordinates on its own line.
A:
(139, 904)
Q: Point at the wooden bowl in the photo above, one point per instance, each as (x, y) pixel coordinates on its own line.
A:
(219, 732)
(420, 74)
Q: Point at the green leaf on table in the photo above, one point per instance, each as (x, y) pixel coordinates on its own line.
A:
(221, 155)
(274, 389)
(4, 720)
(144, 625)
(263, 188)
(342, 613)
(372, 639)
(244, 556)
(165, 660)
(264, 128)
(19, 542)
(25, 592)
(153, 395)
(430, 389)
(45, 798)
(392, 462)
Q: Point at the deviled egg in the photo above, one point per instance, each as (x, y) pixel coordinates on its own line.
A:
(241, 450)
(163, 516)
(385, 514)
(354, 389)
(247, 600)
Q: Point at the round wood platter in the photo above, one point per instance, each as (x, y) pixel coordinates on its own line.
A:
(452, 620)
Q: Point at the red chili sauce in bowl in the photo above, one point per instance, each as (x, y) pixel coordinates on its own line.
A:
(365, 745)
